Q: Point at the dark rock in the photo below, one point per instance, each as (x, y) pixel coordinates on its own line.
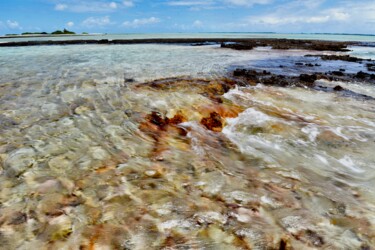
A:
(314, 238)
(18, 218)
(156, 118)
(103, 41)
(299, 64)
(129, 80)
(329, 46)
(338, 88)
(361, 75)
(238, 46)
(237, 43)
(337, 73)
(276, 81)
(309, 64)
(308, 78)
(342, 70)
(249, 74)
(370, 67)
(345, 58)
(283, 245)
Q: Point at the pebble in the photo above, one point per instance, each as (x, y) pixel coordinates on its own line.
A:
(20, 160)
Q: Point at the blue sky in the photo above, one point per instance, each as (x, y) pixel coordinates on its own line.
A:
(133, 16)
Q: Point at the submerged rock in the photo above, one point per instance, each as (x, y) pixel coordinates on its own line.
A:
(338, 88)
(238, 46)
(308, 78)
(370, 66)
(346, 58)
(19, 161)
(362, 75)
(213, 123)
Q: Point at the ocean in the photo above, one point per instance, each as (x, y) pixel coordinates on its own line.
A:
(145, 147)
(329, 37)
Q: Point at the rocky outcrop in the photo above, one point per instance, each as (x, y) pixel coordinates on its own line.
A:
(238, 44)
(253, 77)
(288, 44)
(214, 122)
(370, 66)
(346, 58)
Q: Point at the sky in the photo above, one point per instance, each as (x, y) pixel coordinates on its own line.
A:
(171, 16)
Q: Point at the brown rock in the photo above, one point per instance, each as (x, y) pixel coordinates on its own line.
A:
(178, 118)
(213, 123)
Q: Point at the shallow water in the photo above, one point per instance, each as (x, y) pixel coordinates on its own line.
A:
(85, 166)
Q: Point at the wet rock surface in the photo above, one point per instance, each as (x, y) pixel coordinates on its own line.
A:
(238, 44)
(346, 58)
(252, 77)
(288, 44)
(214, 122)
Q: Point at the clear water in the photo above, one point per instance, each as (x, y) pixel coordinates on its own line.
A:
(81, 168)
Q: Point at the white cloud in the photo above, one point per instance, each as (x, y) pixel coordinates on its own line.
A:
(128, 3)
(217, 3)
(246, 2)
(70, 24)
(297, 12)
(112, 5)
(141, 22)
(297, 15)
(61, 7)
(97, 22)
(13, 24)
(278, 20)
(308, 16)
(197, 24)
(189, 3)
(82, 6)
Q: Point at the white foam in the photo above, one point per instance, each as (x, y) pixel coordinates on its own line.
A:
(322, 159)
(349, 164)
(312, 131)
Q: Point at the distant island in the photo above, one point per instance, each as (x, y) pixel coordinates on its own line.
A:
(57, 32)
(64, 32)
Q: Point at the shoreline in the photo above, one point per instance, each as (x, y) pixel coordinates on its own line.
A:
(49, 35)
(236, 43)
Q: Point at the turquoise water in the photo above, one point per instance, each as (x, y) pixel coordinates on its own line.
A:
(330, 37)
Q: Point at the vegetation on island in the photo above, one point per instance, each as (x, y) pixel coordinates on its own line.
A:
(57, 32)
(34, 33)
(64, 32)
